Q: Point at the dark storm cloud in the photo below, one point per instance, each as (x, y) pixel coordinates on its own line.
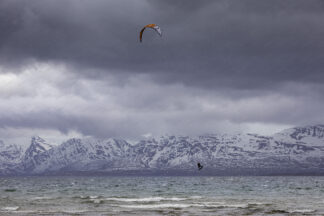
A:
(238, 44)
(77, 66)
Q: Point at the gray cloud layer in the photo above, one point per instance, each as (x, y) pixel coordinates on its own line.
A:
(241, 44)
(219, 64)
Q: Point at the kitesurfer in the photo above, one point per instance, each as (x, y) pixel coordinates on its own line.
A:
(199, 166)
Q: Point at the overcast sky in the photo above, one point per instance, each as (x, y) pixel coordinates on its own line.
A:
(76, 67)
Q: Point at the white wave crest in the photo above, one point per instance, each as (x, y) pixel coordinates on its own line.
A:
(10, 208)
(41, 198)
(88, 197)
(223, 205)
(97, 201)
(184, 205)
(302, 211)
(146, 199)
(155, 206)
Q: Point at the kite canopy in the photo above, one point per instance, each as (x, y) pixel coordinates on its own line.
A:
(152, 26)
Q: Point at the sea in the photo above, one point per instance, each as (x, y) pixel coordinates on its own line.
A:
(199, 195)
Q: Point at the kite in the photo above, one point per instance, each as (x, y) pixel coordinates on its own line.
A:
(152, 26)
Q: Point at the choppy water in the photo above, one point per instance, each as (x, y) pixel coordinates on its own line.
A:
(162, 196)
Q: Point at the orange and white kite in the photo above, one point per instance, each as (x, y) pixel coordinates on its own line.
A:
(152, 26)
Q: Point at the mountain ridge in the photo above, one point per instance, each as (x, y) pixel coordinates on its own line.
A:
(297, 150)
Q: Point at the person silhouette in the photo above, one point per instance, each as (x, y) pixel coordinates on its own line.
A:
(199, 166)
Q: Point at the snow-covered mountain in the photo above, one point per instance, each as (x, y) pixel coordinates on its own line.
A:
(86, 155)
(36, 154)
(297, 150)
(10, 157)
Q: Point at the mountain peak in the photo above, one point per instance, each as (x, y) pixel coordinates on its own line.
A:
(39, 145)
